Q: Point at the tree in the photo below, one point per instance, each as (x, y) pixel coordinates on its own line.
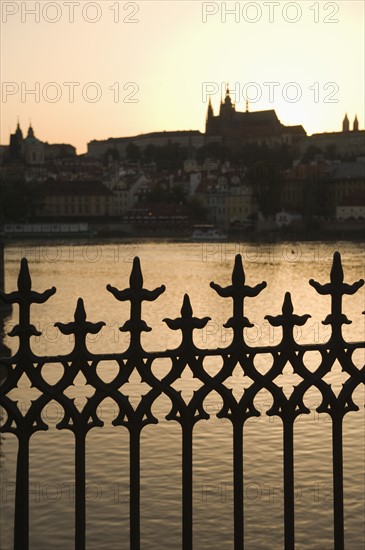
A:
(151, 152)
(159, 193)
(167, 157)
(20, 200)
(266, 180)
(331, 152)
(310, 153)
(177, 195)
(111, 154)
(133, 152)
(197, 208)
(213, 150)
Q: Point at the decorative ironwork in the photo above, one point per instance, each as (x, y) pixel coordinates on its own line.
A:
(237, 354)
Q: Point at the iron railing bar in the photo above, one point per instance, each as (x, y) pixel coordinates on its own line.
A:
(337, 471)
(288, 443)
(238, 505)
(222, 352)
(187, 486)
(21, 516)
(80, 492)
(135, 487)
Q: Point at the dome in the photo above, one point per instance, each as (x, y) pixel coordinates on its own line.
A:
(31, 139)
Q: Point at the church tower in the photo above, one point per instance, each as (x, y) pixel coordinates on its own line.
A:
(30, 131)
(356, 124)
(210, 116)
(227, 110)
(18, 132)
(227, 106)
(210, 112)
(16, 144)
(33, 148)
(346, 124)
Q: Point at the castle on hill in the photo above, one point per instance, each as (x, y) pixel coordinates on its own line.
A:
(233, 128)
(229, 127)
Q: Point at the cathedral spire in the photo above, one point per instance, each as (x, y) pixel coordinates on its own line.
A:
(346, 124)
(246, 104)
(210, 116)
(210, 112)
(356, 124)
(18, 131)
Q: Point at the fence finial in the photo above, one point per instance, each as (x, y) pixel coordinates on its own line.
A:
(287, 320)
(238, 291)
(187, 324)
(336, 289)
(136, 294)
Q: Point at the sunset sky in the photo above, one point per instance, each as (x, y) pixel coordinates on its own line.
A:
(160, 55)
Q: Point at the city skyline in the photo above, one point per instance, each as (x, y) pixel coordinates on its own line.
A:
(128, 68)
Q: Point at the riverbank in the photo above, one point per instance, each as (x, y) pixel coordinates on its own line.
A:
(263, 231)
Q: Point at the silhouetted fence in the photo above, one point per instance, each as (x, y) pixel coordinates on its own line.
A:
(187, 354)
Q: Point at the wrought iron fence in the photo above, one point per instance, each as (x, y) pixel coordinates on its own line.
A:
(187, 354)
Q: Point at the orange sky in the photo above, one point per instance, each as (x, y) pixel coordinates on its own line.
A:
(137, 67)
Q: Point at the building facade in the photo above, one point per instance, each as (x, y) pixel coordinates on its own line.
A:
(76, 200)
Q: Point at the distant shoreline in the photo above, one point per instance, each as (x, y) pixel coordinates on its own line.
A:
(110, 231)
(265, 237)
